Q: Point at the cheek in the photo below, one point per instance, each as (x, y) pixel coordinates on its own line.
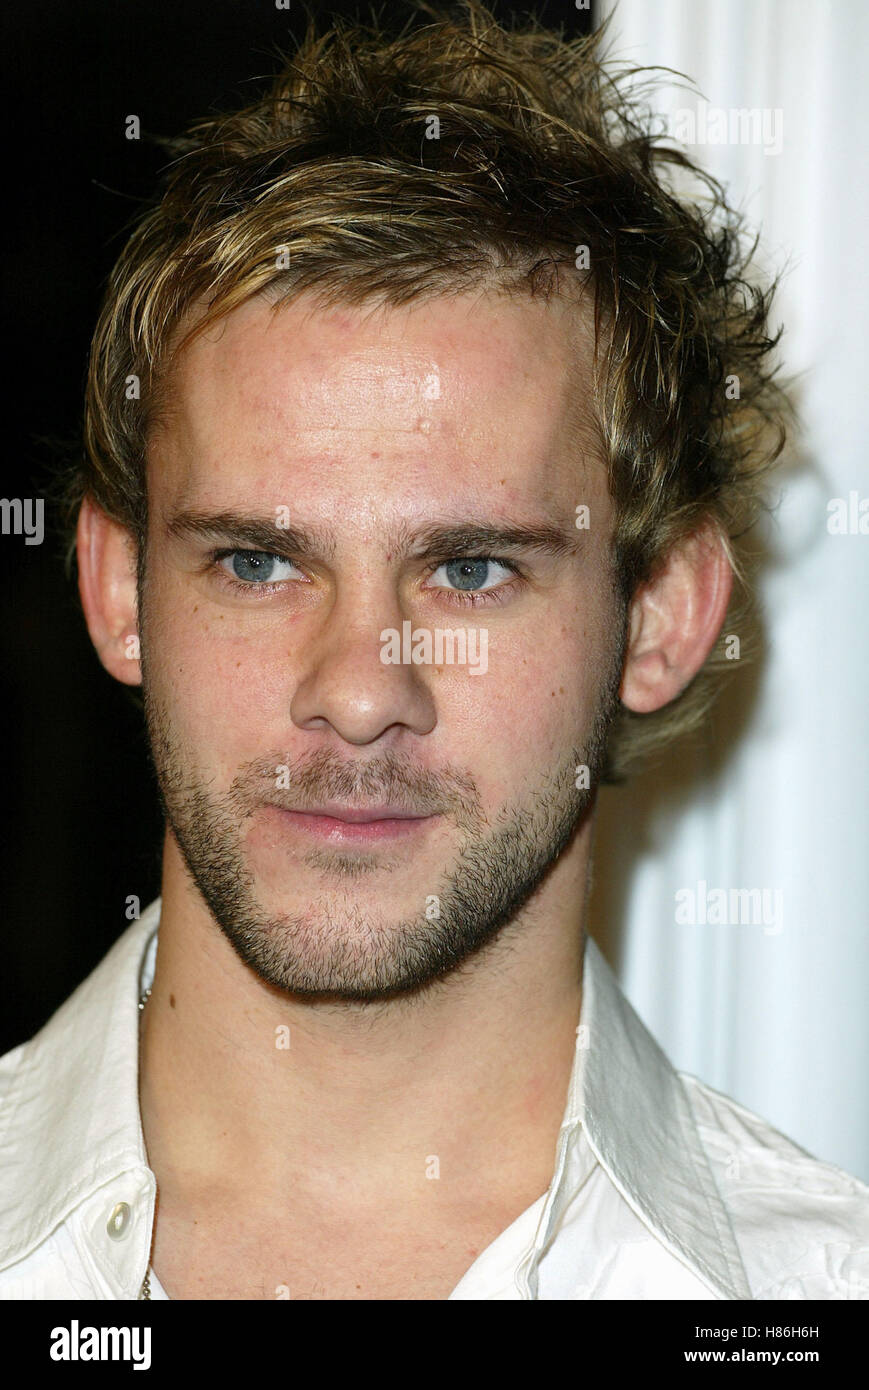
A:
(227, 699)
(532, 707)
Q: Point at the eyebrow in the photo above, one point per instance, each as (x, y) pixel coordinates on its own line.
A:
(431, 541)
(457, 539)
(255, 532)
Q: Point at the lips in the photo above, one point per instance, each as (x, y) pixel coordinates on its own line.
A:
(358, 815)
(336, 824)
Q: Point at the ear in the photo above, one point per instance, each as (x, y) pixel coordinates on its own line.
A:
(107, 584)
(674, 621)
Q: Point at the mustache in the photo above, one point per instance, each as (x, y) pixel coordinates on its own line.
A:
(292, 784)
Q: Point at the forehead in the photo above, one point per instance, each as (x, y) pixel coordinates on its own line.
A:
(465, 392)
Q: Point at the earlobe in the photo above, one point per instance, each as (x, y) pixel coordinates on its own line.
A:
(675, 620)
(107, 585)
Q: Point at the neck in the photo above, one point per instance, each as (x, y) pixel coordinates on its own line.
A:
(237, 1077)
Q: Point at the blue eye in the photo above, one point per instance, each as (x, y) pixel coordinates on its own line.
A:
(473, 574)
(256, 566)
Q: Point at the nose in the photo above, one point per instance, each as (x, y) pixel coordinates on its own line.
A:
(348, 687)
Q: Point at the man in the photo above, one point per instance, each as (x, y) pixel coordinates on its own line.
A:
(409, 498)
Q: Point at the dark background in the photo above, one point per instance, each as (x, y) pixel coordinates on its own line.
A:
(81, 823)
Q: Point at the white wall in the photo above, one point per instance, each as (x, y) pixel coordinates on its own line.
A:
(777, 796)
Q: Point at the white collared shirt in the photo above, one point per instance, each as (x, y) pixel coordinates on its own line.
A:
(662, 1187)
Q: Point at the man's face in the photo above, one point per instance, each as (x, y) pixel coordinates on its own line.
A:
(324, 478)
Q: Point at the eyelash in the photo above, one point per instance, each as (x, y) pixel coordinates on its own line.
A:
(460, 597)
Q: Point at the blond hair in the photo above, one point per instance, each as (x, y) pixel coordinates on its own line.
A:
(540, 151)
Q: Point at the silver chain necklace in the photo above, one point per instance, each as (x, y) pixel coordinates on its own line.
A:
(145, 1290)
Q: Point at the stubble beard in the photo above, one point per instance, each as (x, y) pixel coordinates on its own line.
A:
(333, 948)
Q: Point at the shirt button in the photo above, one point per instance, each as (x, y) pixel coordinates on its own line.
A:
(119, 1221)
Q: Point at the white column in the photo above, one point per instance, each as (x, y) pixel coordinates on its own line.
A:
(778, 797)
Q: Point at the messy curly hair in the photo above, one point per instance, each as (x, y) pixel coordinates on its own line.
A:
(543, 148)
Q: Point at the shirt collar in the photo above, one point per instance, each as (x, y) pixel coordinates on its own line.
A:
(628, 1102)
(71, 1122)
